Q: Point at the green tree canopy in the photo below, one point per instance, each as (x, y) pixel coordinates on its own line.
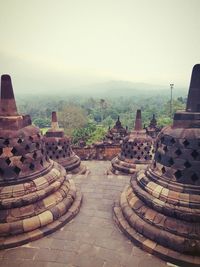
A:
(71, 117)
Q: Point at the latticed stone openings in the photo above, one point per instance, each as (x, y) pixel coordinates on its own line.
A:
(17, 156)
(160, 209)
(171, 155)
(58, 148)
(136, 150)
(153, 129)
(37, 196)
(116, 134)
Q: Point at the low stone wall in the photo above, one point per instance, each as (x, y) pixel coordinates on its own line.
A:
(97, 152)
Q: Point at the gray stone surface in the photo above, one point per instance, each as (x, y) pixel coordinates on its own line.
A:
(91, 239)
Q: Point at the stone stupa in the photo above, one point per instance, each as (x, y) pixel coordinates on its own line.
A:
(153, 129)
(116, 134)
(36, 196)
(136, 149)
(58, 147)
(160, 209)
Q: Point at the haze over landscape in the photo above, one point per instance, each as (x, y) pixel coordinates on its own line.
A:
(98, 46)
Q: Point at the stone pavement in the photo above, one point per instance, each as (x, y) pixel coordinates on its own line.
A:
(91, 239)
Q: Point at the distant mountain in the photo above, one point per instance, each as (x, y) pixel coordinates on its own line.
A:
(31, 80)
(126, 88)
(111, 89)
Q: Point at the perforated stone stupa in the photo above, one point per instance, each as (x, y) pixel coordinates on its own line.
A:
(153, 129)
(137, 148)
(36, 196)
(116, 134)
(160, 210)
(58, 147)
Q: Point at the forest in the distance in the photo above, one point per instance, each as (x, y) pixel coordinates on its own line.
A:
(89, 117)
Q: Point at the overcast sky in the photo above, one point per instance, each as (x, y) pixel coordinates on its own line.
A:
(53, 43)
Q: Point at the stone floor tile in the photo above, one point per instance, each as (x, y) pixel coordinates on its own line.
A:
(20, 253)
(85, 248)
(47, 255)
(112, 264)
(10, 263)
(86, 261)
(2, 252)
(66, 257)
(64, 235)
(151, 261)
(130, 262)
(109, 255)
(73, 247)
(31, 263)
(108, 243)
(42, 243)
(65, 245)
(57, 264)
(138, 252)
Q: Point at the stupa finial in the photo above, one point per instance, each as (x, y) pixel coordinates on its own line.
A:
(193, 101)
(8, 105)
(54, 120)
(138, 121)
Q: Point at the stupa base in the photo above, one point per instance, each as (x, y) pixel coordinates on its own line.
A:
(123, 215)
(82, 169)
(120, 167)
(73, 165)
(112, 171)
(26, 237)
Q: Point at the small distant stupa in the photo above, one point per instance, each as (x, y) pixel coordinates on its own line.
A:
(137, 148)
(58, 147)
(153, 129)
(116, 134)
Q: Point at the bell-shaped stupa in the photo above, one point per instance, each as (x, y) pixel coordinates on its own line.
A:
(153, 129)
(58, 147)
(137, 148)
(36, 196)
(116, 134)
(160, 210)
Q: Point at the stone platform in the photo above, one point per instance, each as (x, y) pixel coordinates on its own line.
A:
(92, 239)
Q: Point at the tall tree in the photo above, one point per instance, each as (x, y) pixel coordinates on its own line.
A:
(71, 117)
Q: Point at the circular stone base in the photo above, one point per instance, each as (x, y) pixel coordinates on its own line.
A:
(73, 165)
(81, 169)
(122, 167)
(21, 239)
(111, 171)
(119, 167)
(150, 246)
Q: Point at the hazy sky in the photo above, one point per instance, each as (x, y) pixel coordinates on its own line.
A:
(53, 43)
